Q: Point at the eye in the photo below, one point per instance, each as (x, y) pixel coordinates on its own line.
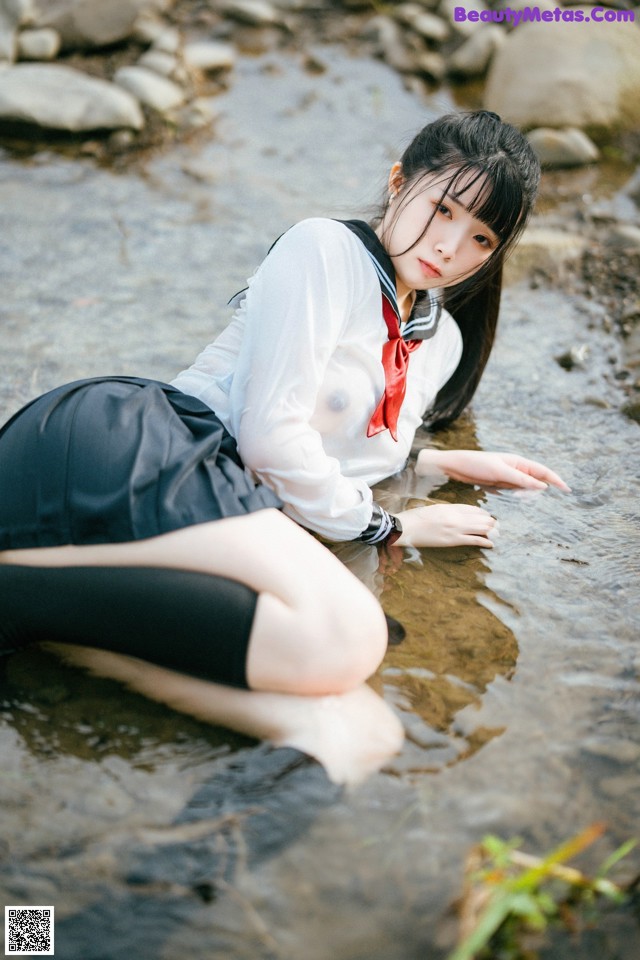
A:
(485, 242)
(443, 209)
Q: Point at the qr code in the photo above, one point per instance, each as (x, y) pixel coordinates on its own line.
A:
(28, 931)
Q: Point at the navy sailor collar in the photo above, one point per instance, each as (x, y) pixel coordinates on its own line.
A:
(427, 309)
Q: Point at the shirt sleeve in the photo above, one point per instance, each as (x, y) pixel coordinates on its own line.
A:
(297, 311)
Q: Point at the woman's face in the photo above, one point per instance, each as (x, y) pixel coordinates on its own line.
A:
(455, 245)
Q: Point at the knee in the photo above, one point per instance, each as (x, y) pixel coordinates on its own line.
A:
(344, 647)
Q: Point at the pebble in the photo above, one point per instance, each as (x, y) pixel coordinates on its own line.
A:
(42, 44)
(160, 62)
(426, 24)
(209, 56)
(473, 57)
(255, 13)
(62, 98)
(168, 41)
(568, 147)
(149, 88)
(431, 64)
(89, 23)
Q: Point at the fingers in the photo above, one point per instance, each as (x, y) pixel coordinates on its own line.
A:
(532, 475)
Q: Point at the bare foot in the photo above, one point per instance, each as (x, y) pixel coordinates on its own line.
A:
(351, 734)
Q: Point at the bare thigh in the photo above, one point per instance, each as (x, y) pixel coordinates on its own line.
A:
(317, 629)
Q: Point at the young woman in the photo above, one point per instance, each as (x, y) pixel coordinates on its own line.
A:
(130, 521)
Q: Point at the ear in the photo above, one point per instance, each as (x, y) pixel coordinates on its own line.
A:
(396, 178)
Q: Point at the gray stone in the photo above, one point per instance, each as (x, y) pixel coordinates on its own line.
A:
(546, 251)
(61, 98)
(150, 89)
(43, 44)
(568, 74)
(209, 56)
(90, 23)
(148, 27)
(390, 44)
(568, 147)
(255, 13)
(473, 57)
(431, 64)
(160, 62)
(168, 41)
(426, 24)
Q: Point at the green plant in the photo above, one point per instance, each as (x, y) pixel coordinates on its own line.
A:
(506, 888)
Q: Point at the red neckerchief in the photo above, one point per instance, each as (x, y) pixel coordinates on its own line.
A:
(395, 362)
(422, 325)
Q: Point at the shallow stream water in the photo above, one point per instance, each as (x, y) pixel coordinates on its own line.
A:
(519, 681)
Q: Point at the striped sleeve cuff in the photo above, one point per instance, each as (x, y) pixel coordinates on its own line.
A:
(380, 526)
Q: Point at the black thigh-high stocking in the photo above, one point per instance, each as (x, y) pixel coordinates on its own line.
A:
(193, 622)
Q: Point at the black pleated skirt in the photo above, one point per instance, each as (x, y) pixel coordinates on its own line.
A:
(117, 459)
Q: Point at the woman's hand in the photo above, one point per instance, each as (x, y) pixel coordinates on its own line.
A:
(488, 469)
(446, 525)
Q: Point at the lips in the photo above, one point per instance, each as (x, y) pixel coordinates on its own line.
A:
(429, 269)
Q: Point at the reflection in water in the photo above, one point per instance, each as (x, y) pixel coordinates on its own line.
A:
(455, 646)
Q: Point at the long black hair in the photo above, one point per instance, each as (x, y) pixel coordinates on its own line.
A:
(475, 148)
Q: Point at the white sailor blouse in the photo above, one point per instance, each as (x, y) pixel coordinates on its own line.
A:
(297, 376)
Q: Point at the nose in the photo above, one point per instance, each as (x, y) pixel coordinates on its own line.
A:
(448, 243)
(447, 248)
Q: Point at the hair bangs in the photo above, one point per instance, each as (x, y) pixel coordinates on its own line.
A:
(495, 195)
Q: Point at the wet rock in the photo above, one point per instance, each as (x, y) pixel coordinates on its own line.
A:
(43, 44)
(544, 251)
(426, 24)
(430, 64)
(569, 147)
(390, 43)
(61, 98)
(472, 59)
(567, 74)
(90, 23)
(255, 13)
(150, 88)
(148, 27)
(168, 41)
(165, 64)
(209, 56)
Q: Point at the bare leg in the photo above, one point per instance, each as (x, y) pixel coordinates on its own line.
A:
(317, 635)
(317, 629)
(351, 734)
